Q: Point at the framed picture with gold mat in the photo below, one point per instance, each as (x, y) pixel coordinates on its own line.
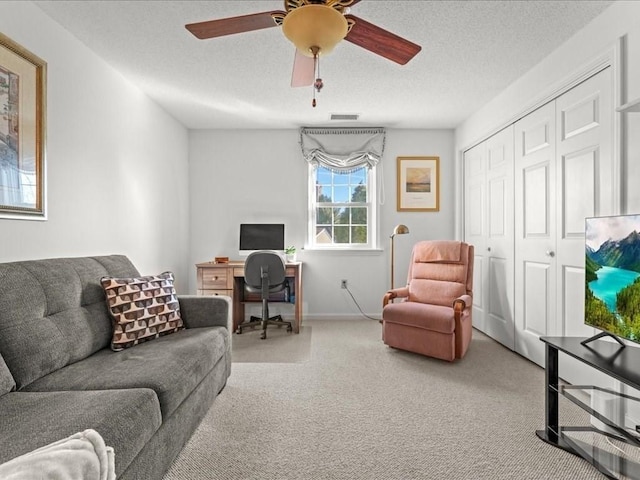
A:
(418, 187)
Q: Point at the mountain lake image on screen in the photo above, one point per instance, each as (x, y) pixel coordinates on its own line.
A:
(612, 270)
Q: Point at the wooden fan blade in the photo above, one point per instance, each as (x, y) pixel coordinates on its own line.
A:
(229, 26)
(303, 70)
(381, 42)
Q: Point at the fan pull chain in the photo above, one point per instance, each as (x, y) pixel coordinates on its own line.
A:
(317, 86)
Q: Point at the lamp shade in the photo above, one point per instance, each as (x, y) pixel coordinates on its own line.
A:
(314, 25)
(400, 230)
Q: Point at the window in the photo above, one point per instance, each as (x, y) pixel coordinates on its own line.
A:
(342, 208)
(342, 186)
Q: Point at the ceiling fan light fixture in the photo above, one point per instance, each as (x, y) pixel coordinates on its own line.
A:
(315, 25)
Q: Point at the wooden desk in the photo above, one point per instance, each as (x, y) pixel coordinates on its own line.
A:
(228, 279)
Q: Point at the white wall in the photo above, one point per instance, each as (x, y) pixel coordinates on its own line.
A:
(116, 163)
(241, 176)
(622, 19)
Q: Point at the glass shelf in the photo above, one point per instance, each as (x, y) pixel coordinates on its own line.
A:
(611, 455)
(582, 395)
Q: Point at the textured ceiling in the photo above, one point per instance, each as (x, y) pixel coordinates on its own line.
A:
(471, 50)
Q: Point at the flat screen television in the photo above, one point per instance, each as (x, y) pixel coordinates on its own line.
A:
(261, 236)
(612, 271)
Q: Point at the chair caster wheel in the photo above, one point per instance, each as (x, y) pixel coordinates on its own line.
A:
(263, 335)
(238, 331)
(289, 329)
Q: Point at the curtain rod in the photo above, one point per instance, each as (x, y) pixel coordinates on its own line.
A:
(341, 130)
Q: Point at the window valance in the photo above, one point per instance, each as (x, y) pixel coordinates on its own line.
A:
(342, 149)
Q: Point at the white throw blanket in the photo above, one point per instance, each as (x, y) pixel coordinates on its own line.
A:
(83, 456)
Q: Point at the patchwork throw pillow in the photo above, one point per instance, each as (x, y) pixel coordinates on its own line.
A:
(142, 308)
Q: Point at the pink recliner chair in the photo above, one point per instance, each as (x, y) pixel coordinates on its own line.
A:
(434, 316)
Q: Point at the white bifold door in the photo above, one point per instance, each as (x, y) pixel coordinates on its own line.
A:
(564, 172)
(489, 227)
(528, 190)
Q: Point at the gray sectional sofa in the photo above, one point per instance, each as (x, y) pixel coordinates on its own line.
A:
(58, 375)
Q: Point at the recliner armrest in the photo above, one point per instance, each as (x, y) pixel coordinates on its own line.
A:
(401, 292)
(462, 302)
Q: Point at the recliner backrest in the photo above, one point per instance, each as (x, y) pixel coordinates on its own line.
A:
(440, 271)
(260, 261)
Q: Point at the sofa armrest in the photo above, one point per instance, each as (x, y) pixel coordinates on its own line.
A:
(206, 311)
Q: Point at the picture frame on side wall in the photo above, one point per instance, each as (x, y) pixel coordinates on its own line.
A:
(418, 186)
(22, 132)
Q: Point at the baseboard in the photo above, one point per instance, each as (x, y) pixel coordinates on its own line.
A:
(287, 314)
(339, 316)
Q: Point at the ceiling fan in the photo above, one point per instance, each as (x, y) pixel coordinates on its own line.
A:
(315, 27)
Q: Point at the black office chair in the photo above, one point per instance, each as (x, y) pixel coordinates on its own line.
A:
(264, 273)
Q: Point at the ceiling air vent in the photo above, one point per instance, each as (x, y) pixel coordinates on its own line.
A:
(344, 116)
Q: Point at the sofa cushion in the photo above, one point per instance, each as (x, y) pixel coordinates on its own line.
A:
(7, 383)
(53, 313)
(172, 366)
(126, 419)
(142, 308)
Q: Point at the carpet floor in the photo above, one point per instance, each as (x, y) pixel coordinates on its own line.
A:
(343, 405)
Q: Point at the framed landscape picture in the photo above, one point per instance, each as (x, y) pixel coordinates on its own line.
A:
(418, 184)
(22, 131)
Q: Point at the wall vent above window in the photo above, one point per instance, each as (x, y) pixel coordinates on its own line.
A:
(345, 116)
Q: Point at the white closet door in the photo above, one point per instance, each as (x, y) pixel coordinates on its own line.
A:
(564, 173)
(535, 231)
(499, 319)
(585, 188)
(475, 228)
(489, 227)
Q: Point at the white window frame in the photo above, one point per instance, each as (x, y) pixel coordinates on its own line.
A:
(372, 216)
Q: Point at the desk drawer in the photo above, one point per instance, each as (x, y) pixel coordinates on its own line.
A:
(213, 279)
(228, 293)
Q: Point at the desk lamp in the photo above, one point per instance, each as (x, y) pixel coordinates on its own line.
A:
(399, 230)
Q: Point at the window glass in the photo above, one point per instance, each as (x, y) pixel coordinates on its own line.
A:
(342, 210)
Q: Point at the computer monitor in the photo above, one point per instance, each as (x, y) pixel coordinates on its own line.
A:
(261, 236)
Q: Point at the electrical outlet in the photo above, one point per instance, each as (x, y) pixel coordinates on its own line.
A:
(343, 284)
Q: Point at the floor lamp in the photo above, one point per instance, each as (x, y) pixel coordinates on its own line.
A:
(399, 230)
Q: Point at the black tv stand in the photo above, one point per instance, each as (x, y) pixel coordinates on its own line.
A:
(600, 335)
(588, 441)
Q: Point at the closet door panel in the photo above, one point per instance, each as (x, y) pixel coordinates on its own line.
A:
(585, 187)
(500, 247)
(535, 182)
(573, 299)
(535, 231)
(537, 278)
(579, 116)
(475, 227)
(497, 206)
(579, 171)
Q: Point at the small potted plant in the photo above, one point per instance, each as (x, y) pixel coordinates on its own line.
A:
(290, 253)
